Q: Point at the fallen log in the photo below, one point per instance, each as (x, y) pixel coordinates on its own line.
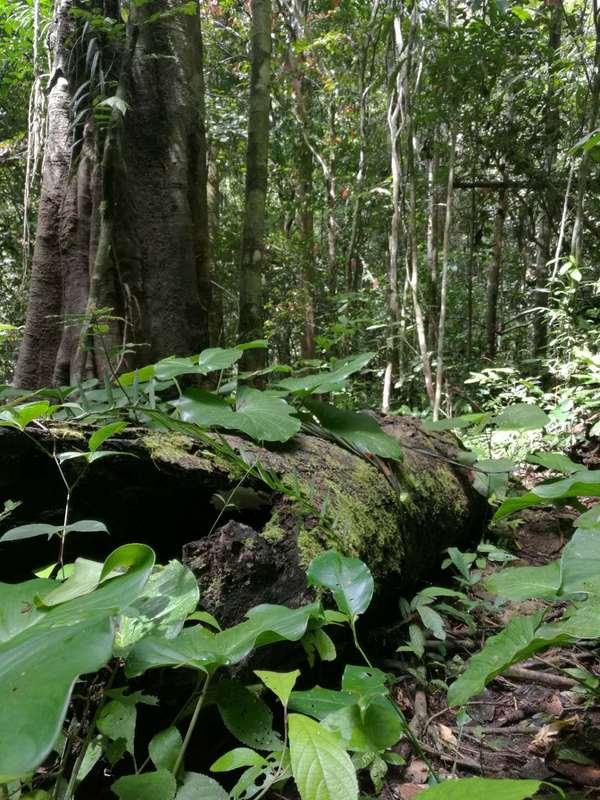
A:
(247, 519)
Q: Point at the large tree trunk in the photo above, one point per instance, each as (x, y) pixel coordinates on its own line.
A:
(398, 518)
(126, 230)
(253, 233)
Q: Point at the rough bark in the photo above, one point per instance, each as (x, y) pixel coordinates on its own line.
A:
(397, 518)
(253, 233)
(122, 222)
(493, 278)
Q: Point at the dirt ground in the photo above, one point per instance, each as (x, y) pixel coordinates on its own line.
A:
(533, 722)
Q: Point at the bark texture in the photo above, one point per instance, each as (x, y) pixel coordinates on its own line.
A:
(253, 234)
(397, 519)
(123, 214)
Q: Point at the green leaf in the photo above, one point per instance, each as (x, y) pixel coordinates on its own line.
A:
(218, 358)
(42, 529)
(116, 721)
(160, 785)
(320, 703)
(280, 683)
(348, 579)
(102, 434)
(265, 418)
(169, 597)
(360, 431)
(164, 748)
(259, 415)
(370, 729)
(200, 787)
(589, 519)
(521, 417)
(365, 682)
(585, 483)
(200, 648)
(482, 789)
(237, 758)
(456, 423)
(325, 382)
(557, 462)
(43, 655)
(246, 716)
(83, 580)
(522, 583)
(321, 767)
(516, 642)
(432, 621)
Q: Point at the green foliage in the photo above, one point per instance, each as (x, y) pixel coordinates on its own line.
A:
(483, 788)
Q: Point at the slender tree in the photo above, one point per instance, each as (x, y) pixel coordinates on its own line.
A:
(253, 233)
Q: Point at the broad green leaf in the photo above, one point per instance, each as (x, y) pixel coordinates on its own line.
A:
(256, 344)
(218, 358)
(170, 368)
(18, 610)
(164, 748)
(258, 415)
(589, 519)
(325, 382)
(202, 649)
(169, 597)
(519, 639)
(142, 375)
(102, 434)
(456, 423)
(160, 785)
(116, 721)
(585, 483)
(83, 580)
(521, 417)
(320, 703)
(200, 787)
(482, 789)
(374, 728)
(280, 683)
(265, 418)
(246, 716)
(580, 564)
(557, 462)
(205, 409)
(360, 431)
(522, 583)
(432, 621)
(22, 415)
(364, 682)
(348, 579)
(40, 661)
(321, 767)
(43, 529)
(237, 758)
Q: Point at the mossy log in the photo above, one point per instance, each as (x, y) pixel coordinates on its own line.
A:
(247, 537)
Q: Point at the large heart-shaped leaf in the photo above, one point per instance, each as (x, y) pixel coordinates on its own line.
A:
(348, 579)
(264, 417)
(321, 767)
(41, 658)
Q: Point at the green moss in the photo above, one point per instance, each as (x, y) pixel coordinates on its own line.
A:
(65, 432)
(361, 519)
(173, 448)
(273, 532)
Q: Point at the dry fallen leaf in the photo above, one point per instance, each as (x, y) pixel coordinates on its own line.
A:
(417, 771)
(407, 791)
(445, 735)
(548, 734)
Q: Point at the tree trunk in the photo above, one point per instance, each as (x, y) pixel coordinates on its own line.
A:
(213, 197)
(549, 212)
(493, 281)
(253, 234)
(397, 517)
(126, 232)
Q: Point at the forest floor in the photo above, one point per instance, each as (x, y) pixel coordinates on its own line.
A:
(533, 722)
